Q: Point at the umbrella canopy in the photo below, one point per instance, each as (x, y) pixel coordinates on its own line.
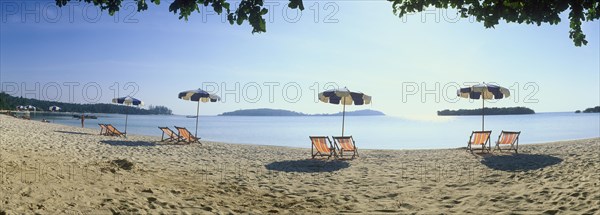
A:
(198, 95)
(489, 91)
(54, 108)
(484, 92)
(129, 101)
(31, 107)
(345, 97)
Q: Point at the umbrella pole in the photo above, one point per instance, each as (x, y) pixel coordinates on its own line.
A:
(197, 116)
(343, 116)
(482, 113)
(126, 115)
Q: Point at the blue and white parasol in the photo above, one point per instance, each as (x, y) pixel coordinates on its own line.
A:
(345, 97)
(484, 92)
(129, 101)
(54, 108)
(198, 95)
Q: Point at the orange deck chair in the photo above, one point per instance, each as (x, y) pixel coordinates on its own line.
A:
(480, 138)
(345, 144)
(185, 136)
(508, 138)
(323, 147)
(114, 131)
(103, 129)
(171, 135)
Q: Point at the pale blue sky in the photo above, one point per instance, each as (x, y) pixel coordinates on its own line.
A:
(369, 49)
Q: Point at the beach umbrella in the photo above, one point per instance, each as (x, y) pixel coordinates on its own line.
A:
(54, 108)
(129, 101)
(31, 107)
(198, 95)
(345, 97)
(484, 92)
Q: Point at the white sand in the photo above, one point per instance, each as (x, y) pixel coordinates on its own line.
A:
(51, 169)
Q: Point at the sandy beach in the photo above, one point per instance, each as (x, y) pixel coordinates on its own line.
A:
(50, 169)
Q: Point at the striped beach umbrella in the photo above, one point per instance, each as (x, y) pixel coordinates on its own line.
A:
(484, 92)
(198, 95)
(129, 101)
(345, 97)
(31, 107)
(54, 108)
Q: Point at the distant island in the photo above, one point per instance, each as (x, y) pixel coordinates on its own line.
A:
(280, 112)
(488, 111)
(365, 112)
(590, 110)
(262, 112)
(8, 102)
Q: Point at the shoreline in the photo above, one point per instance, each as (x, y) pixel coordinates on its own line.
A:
(308, 145)
(92, 130)
(157, 135)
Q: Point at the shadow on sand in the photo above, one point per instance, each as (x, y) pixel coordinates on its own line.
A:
(127, 143)
(72, 132)
(308, 166)
(520, 162)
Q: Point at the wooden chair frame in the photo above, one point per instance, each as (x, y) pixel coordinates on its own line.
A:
(114, 131)
(330, 146)
(171, 135)
(103, 129)
(341, 149)
(514, 145)
(190, 137)
(487, 140)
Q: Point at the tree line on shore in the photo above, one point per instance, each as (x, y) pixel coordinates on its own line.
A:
(590, 110)
(8, 102)
(487, 111)
(280, 112)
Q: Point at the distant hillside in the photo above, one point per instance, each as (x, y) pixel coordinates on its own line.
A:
(488, 111)
(279, 112)
(8, 102)
(262, 112)
(590, 110)
(365, 112)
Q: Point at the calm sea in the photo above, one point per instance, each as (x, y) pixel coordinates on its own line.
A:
(373, 132)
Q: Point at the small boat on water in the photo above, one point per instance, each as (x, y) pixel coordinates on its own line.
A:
(191, 116)
(86, 116)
